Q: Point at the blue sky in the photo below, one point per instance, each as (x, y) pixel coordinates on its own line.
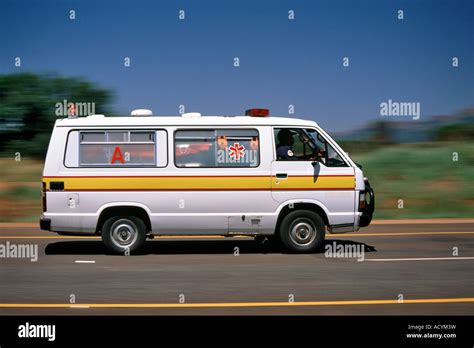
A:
(282, 62)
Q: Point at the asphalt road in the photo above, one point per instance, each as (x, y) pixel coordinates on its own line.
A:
(413, 260)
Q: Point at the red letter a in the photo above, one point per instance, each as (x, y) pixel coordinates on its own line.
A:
(117, 156)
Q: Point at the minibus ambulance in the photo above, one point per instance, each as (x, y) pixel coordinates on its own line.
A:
(131, 178)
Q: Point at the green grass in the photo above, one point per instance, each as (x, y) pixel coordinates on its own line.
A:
(24, 193)
(424, 176)
(24, 170)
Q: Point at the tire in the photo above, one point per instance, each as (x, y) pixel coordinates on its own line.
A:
(120, 234)
(302, 231)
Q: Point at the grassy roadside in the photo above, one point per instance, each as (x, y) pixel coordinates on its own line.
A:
(424, 176)
(20, 190)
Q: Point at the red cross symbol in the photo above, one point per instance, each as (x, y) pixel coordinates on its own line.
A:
(236, 151)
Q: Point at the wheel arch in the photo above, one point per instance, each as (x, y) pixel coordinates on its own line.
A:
(313, 206)
(123, 209)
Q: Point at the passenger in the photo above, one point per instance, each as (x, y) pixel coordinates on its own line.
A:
(254, 143)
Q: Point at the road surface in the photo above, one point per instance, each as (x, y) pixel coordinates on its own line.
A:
(407, 268)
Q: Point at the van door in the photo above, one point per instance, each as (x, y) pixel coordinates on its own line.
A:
(224, 185)
(307, 168)
(255, 204)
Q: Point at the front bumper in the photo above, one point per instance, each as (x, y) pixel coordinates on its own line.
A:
(368, 211)
(45, 224)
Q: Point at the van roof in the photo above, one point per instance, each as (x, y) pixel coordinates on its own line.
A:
(101, 120)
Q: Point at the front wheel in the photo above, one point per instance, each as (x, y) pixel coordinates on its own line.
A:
(302, 231)
(123, 234)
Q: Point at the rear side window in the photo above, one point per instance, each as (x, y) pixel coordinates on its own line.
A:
(217, 148)
(116, 148)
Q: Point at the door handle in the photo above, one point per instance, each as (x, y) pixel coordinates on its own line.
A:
(282, 176)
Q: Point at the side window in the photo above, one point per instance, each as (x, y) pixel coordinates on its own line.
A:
(294, 144)
(117, 148)
(300, 144)
(217, 148)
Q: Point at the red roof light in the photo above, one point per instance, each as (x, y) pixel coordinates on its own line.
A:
(257, 112)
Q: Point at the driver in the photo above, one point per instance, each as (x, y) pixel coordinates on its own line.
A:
(284, 148)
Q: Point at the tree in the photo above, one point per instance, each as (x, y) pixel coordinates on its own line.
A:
(28, 109)
(457, 131)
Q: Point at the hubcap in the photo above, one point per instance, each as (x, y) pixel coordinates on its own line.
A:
(124, 233)
(302, 232)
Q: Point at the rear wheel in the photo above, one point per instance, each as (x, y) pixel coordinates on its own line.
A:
(123, 234)
(302, 231)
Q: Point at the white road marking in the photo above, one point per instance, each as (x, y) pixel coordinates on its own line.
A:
(424, 259)
(84, 261)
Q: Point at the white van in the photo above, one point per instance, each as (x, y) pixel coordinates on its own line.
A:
(129, 178)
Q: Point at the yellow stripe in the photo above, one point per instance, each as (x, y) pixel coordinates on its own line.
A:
(437, 221)
(395, 234)
(237, 304)
(165, 183)
(312, 182)
(203, 183)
